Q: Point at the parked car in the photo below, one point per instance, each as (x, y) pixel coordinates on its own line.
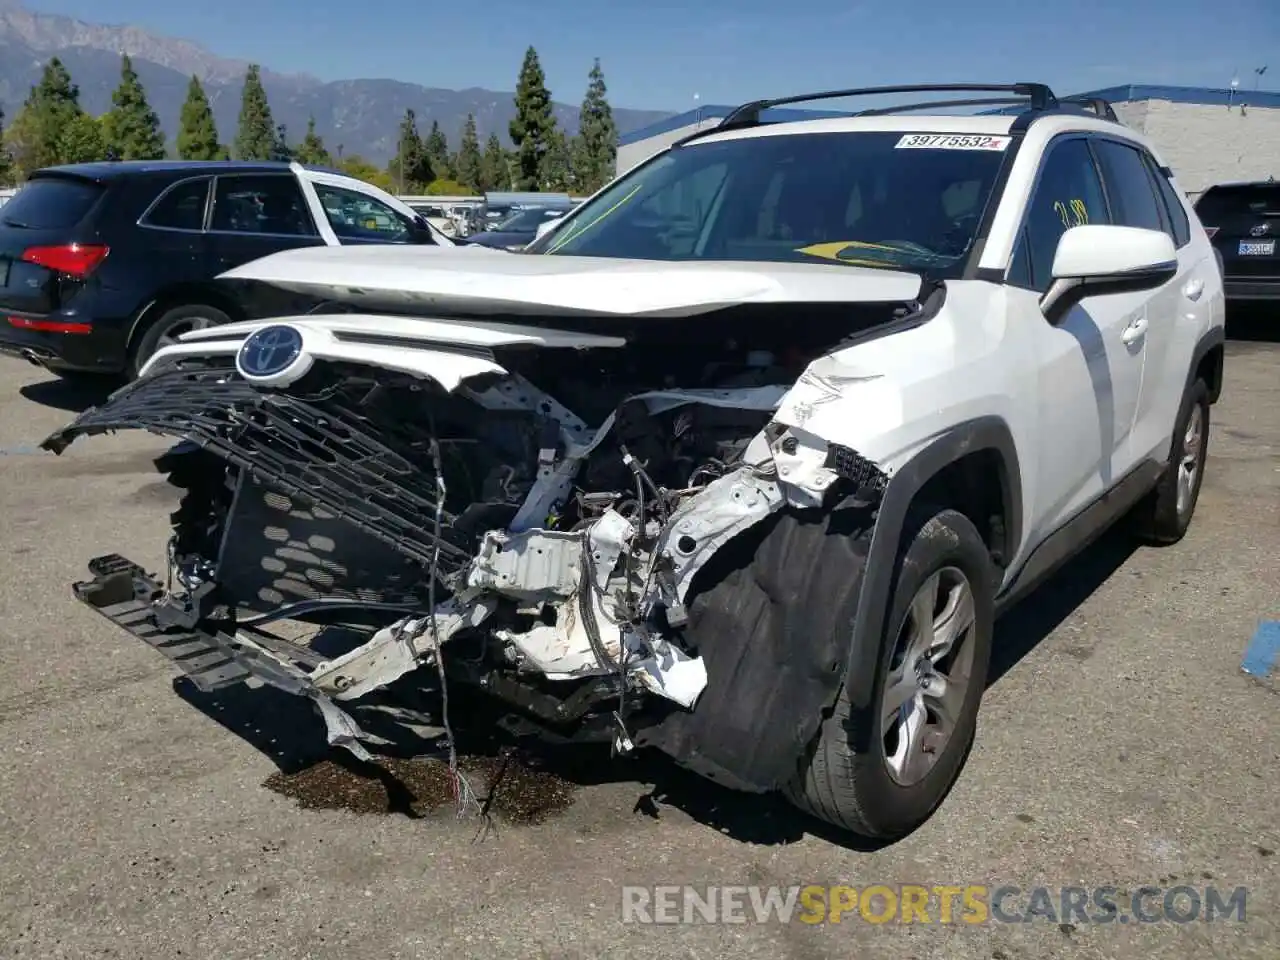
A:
(1243, 221)
(740, 463)
(103, 263)
(519, 229)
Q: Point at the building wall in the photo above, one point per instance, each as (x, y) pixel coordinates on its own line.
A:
(632, 154)
(1208, 144)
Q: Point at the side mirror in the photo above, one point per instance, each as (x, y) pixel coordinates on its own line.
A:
(545, 227)
(1097, 259)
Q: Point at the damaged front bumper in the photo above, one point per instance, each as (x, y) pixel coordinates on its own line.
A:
(575, 616)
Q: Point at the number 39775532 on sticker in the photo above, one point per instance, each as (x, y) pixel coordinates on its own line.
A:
(945, 141)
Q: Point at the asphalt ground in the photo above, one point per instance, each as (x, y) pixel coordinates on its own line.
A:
(1120, 745)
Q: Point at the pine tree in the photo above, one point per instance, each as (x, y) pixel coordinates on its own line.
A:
(131, 128)
(197, 132)
(557, 172)
(312, 150)
(469, 172)
(437, 145)
(5, 163)
(256, 134)
(410, 169)
(596, 146)
(280, 149)
(495, 171)
(51, 127)
(533, 122)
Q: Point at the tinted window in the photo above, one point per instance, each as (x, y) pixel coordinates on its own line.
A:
(529, 219)
(358, 216)
(262, 204)
(1219, 206)
(852, 198)
(1068, 194)
(1179, 222)
(182, 208)
(1132, 194)
(50, 203)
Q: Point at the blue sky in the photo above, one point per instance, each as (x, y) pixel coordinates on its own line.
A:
(659, 53)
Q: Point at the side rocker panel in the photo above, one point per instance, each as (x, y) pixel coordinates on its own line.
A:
(982, 433)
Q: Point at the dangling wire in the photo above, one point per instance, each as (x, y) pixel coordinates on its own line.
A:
(463, 796)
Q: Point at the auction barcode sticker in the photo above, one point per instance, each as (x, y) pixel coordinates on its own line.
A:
(946, 141)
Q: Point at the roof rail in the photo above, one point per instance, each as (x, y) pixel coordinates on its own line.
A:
(748, 115)
(1095, 105)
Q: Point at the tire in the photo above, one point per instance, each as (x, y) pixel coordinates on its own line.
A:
(175, 320)
(857, 789)
(1163, 516)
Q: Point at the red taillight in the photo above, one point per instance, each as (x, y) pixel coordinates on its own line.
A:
(49, 326)
(74, 259)
(1210, 231)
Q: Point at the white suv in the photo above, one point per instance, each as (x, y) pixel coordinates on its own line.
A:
(740, 461)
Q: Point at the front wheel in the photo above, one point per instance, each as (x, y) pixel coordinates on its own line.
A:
(166, 328)
(931, 676)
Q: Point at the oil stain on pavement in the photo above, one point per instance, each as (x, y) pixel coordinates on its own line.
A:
(507, 787)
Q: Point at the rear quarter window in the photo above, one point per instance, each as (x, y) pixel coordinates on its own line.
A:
(51, 203)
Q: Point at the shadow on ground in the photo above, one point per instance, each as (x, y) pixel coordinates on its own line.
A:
(525, 782)
(1253, 322)
(73, 394)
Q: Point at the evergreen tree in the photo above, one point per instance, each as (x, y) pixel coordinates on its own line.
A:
(468, 163)
(131, 128)
(256, 134)
(280, 149)
(51, 127)
(596, 146)
(438, 152)
(312, 149)
(197, 132)
(533, 122)
(495, 171)
(410, 169)
(5, 163)
(557, 172)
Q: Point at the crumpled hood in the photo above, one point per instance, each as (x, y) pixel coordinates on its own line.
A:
(473, 279)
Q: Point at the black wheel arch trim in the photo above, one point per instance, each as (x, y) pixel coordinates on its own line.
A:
(971, 436)
(177, 296)
(1216, 337)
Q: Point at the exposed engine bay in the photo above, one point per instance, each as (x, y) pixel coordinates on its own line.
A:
(535, 534)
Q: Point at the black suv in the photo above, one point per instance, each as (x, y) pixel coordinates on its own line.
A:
(103, 263)
(1243, 221)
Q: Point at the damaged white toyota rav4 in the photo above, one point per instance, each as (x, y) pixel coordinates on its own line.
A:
(740, 462)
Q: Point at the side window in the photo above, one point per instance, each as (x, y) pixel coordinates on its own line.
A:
(261, 204)
(1181, 226)
(358, 216)
(1129, 187)
(181, 208)
(1068, 194)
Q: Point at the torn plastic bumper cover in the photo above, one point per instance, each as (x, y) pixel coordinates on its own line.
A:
(601, 600)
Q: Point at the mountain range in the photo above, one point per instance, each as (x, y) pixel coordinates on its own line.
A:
(362, 116)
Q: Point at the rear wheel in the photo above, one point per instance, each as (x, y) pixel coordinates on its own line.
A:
(931, 676)
(166, 329)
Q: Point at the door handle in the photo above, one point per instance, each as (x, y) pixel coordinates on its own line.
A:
(1193, 289)
(1135, 330)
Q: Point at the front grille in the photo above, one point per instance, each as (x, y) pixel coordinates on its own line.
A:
(317, 445)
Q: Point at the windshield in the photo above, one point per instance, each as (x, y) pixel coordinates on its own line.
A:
(868, 199)
(527, 220)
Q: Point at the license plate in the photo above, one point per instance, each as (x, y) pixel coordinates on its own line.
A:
(1257, 248)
